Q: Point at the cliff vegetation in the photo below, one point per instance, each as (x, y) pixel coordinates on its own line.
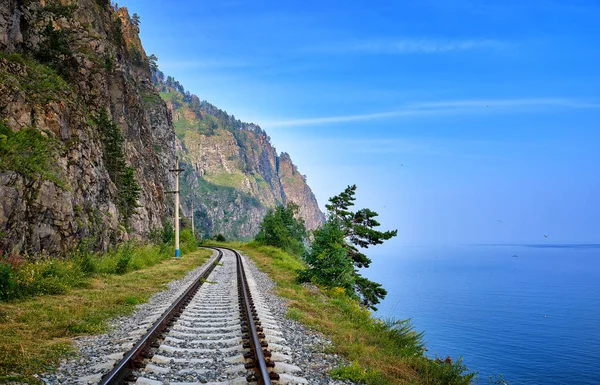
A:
(233, 174)
(85, 156)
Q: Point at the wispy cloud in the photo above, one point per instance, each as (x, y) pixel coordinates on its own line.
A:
(444, 108)
(204, 64)
(405, 46)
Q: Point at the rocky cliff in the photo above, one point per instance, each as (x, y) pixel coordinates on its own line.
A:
(87, 141)
(76, 73)
(233, 173)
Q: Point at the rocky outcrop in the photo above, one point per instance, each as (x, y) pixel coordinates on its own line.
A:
(295, 189)
(94, 55)
(233, 173)
(76, 72)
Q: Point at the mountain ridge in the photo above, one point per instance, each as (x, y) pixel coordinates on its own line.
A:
(232, 161)
(75, 76)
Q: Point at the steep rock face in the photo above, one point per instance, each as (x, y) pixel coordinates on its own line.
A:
(296, 190)
(101, 65)
(65, 63)
(233, 173)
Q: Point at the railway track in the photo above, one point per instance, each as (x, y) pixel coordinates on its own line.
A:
(218, 331)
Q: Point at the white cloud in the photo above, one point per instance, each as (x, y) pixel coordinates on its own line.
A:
(202, 64)
(442, 108)
(411, 46)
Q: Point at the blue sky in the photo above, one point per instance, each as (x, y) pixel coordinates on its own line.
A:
(449, 116)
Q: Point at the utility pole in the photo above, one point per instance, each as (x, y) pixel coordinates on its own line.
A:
(176, 170)
(193, 231)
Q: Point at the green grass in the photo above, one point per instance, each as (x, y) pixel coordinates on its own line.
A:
(30, 153)
(182, 126)
(36, 333)
(40, 83)
(225, 179)
(379, 352)
(150, 98)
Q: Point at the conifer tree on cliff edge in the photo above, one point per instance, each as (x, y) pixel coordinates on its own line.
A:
(334, 256)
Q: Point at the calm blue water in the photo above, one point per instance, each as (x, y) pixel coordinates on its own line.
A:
(534, 319)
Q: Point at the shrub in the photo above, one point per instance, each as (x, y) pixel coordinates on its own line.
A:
(220, 238)
(83, 257)
(442, 372)
(60, 10)
(29, 153)
(8, 282)
(125, 254)
(55, 51)
(356, 374)
(168, 233)
(22, 279)
(187, 241)
(283, 228)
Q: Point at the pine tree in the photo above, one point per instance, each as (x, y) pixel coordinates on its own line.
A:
(135, 19)
(345, 232)
(129, 194)
(122, 176)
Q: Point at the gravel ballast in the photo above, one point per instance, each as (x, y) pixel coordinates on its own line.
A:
(96, 355)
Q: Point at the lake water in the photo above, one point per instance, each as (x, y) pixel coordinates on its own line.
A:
(529, 313)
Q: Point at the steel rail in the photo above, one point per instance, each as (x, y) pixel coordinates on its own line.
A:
(262, 376)
(132, 359)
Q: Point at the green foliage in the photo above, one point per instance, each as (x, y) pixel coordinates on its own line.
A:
(136, 57)
(55, 51)
(83, 257)
(29, 153)
(220, 238)
(442, 372)
(369, 292)
(21, 279)
(57, 9)
(112, 139)
(116, 32)
(109, 63)
(8, 282)
(187, 241)
(334, 259)
(103, 3)
(283, 228)
(327, 259)
(130, 257)
(135, 19)
(358, 227)
(353, 372)
(40, 83)
(125, 256)
(168, 233)
(122, 176)
(404, 339)
(129, 193)
(152, 60)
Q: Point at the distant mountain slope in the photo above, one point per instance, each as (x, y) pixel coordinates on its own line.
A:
(233, 173)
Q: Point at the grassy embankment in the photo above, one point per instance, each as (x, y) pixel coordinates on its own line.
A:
(379, 352)
(36, 326)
